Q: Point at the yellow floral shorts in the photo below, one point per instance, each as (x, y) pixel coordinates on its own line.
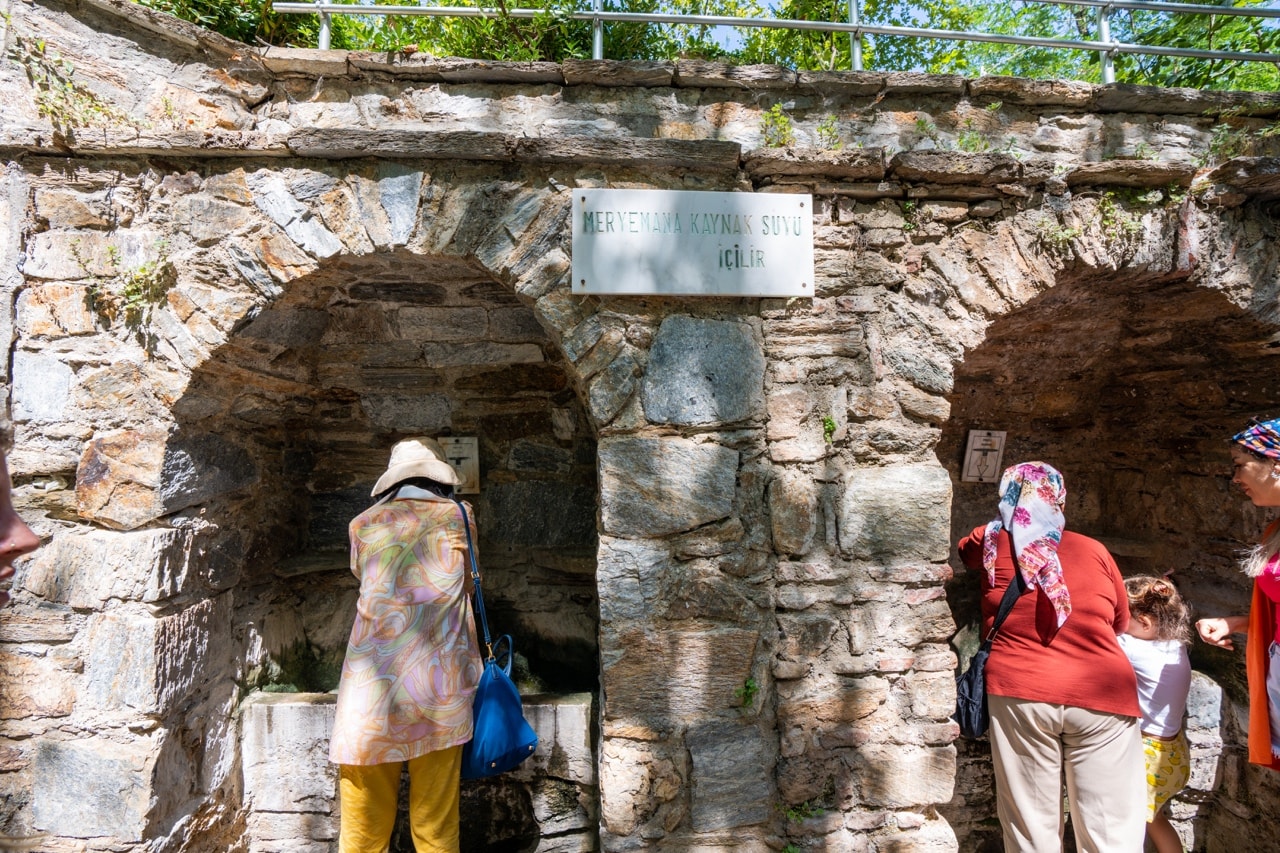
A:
(1168, 770)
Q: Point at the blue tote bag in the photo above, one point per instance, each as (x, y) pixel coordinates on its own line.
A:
(503, 737)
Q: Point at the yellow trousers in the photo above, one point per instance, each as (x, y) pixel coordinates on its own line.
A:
(368, 796)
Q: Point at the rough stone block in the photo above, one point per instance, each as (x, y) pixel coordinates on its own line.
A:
(732, 776)
(54, 311)
(900, 776)
(674, 675)
(150, 665)
(896, 514)
(399, 192)
(285, 752)
(542, 513)
(41, 387)
(201, 466)
(35, 687)
(86, 569)
(99, 787)
(703, 372)
(273, 198)
(793, 512)
(655, 487)
(426, 414)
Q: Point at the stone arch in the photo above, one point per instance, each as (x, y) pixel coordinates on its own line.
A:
(1126, 361)
(266, 446)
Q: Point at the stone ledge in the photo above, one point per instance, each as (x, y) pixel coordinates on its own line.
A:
(1126, 98)
(696, 73)
(1131, 173)
(1235, 181)
(453, 69)
(856, 164)
(700, 155)
(131, 142)
(340, 144)
(171, 29)
(603, 72)
(1044, 93)
(306, 61)
(955, 167)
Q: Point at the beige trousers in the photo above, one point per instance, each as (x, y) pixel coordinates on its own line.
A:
(1033, 744)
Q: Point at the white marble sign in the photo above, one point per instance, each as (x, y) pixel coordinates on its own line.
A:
(692, 243)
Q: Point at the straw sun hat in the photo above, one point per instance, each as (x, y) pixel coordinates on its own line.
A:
(417, 457)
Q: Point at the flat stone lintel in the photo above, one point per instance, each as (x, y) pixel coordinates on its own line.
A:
(452, 69)
(604, 72)
(1131, 173)
(700, 155)
(344, 144)
(1258, 177)
(130, 142)
(855, 164)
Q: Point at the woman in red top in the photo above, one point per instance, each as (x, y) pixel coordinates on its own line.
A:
(1255, 456)
(1062, 695)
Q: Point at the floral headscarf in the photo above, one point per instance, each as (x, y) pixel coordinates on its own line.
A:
(1031, 499)
(1261, 437)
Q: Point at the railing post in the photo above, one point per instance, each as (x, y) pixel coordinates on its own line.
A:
(1104, 35)
(597, 30)
(855, 38)
(324, 28)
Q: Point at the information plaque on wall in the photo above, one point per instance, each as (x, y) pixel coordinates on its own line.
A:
(982, 456)
(676, 242)
(463, 453)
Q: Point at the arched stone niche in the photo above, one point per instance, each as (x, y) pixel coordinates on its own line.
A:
(305, 401)
(1128, 370)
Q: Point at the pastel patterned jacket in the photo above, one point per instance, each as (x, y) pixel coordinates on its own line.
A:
(413, 661)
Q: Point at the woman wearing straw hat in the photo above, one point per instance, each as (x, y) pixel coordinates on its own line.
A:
(413, 661)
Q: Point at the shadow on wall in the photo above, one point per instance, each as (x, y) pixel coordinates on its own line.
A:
(1131, 387)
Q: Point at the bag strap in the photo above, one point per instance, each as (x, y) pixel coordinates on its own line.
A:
(1015, 588)
(475, 579)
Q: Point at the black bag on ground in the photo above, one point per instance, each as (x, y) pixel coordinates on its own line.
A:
(971, 685)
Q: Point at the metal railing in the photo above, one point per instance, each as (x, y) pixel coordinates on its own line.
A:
(1103, 45)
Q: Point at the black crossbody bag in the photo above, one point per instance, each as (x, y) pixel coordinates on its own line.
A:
(971, 686)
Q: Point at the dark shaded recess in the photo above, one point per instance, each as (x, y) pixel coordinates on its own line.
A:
(403, 292)
(331, 514)
(539, 514)
(495, 817)
(524, 377)
(1131, 386)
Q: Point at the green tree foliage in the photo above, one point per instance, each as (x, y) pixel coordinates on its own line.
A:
(553, 35)
(249, 21)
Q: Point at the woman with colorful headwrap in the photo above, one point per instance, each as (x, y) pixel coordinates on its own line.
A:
(1255, 457)
(1062, 695)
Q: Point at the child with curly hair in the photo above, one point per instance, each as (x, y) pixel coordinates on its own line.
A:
(1156, 645)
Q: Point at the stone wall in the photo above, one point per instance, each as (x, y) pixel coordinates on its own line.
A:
(253, 270)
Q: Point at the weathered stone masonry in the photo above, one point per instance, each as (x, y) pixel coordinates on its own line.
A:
(730, 520)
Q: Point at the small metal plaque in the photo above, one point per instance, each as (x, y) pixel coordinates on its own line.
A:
(982, 456)
(676, 242)
(463, 453)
